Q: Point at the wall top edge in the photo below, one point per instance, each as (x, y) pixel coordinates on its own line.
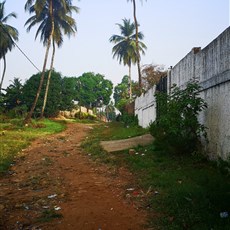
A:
(196, 50)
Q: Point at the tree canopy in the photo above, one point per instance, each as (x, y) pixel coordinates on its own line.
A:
(125, 46)
(121, 92)
(54, 97)
(93, 88)
(90, 90)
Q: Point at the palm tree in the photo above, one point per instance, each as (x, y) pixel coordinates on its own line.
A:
(61, 20)
(8, 35)
(45, 15)
(125, 46)
(137, 45)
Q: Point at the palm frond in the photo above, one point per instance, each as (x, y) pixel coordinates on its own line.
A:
(60, 17)
(125, 44)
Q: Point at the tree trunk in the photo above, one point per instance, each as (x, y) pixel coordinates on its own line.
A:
(48, 82)
(3, 73)
(130, 82)
(137, 46)
(29, 115)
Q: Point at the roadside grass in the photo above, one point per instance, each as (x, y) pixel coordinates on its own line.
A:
(107, 131)
(184, 191)
(14, 137)
(81, 121)
(84, 121)
(117, 130)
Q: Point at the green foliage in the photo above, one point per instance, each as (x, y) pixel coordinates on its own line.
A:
(93, 88)
(224, 166)
(125, 43)
(122, 104)
(60, 20)
(54, 98)
(9, 34)
(89, 90)
(176, 128)
(68, 93)
(121, 92)
(129, 119)
(12, 101)
(49, 215)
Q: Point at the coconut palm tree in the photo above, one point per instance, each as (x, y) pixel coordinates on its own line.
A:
(137, 45)
(61, 21)
(45, 13)
(8, 35)
(125, 46)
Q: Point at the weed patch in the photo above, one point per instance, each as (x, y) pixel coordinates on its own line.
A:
(49, 215)
(15, 137)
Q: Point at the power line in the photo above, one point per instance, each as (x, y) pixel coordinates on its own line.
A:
(20, 48)
(27, 57)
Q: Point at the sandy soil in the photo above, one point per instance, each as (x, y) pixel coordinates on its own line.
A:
(53, 177)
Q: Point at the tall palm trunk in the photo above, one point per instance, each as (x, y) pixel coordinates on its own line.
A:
(48, 81)
(3, 73)
(137, 46)
(130, 82)
(29, 115)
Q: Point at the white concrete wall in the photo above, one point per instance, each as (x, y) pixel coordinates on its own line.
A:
(211, 67)
(145, 108)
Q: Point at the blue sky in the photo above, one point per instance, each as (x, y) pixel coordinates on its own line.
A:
(171, 28)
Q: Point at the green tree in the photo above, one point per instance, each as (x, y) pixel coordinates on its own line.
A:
(121, 94)
(43, 14)
(8, 35)
(125, 46)
(92, 88)
(54, 99)
(61, 21)
(68, 93)
(137, 43)
(13, 99)
(121, 91)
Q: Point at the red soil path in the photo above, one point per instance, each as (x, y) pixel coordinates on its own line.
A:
(53, 173)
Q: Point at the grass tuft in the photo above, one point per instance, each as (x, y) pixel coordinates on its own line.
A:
(49, 215)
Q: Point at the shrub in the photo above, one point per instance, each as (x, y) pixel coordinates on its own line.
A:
(177, 128)
(129, 119)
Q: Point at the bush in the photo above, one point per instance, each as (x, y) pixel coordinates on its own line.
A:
(177, 128)
(129, 119)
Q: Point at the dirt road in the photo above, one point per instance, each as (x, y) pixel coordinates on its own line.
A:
(54, 181)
